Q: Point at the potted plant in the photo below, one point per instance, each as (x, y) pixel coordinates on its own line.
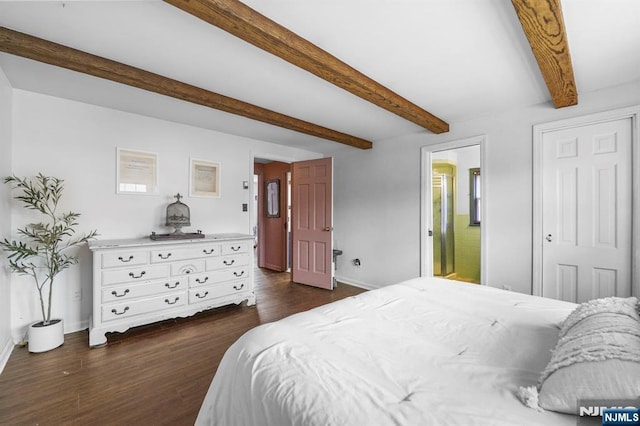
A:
(43, 251)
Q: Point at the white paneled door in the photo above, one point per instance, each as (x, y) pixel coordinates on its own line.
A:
(586, 211)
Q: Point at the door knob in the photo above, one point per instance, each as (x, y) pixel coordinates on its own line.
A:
(549, 237)
(327, 229)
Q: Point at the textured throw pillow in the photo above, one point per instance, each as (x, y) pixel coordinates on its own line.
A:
(597, 356)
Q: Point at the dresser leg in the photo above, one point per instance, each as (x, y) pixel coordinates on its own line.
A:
(251, 300)
(97, 338)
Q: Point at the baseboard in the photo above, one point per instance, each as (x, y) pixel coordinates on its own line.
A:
(75, 326)
(355, 283)
(8, 349)
(6, 353)
(21, 334)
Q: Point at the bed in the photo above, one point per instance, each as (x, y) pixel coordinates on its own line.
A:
(425, 351)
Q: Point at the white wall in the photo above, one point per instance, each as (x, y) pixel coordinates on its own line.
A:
(464, 158)
(77, 142)
(377, 195)
(5, 217)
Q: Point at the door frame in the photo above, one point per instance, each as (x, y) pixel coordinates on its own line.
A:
(426, 203)
(539, 130)
(273, 251)
(252, 194)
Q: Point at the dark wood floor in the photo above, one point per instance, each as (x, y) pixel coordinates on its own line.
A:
(156, 374)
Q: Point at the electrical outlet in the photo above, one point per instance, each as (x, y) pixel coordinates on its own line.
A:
(77, 294)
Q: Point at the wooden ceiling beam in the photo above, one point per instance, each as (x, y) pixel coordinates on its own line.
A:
(41, 50)
(543, 25)
(252, 27)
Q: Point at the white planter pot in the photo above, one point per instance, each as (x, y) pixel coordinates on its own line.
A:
(43, 338)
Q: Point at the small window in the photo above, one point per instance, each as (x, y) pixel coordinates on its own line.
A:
(475, 193)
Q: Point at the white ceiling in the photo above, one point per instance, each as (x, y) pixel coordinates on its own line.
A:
(458, 59)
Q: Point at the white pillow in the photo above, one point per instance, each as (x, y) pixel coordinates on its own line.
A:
(596, 358)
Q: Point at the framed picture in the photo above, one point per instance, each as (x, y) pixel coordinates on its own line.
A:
(136, 172)
(204, 179)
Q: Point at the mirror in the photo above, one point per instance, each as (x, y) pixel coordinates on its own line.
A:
(273, 197)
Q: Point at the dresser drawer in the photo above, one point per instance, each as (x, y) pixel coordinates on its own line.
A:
(218, 276)
(202, 294)
(187, 267)
(133, 291)
(234, 248)
(124, 258)
(171, 254)
(144, 273)
(232, 274)
(201, 279)
(222, 262)
(122, 310)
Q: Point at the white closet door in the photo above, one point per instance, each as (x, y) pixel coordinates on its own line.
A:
(586, 212)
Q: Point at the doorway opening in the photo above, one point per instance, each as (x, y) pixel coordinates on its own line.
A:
(272, 214)
(452, 220)
(294, 224)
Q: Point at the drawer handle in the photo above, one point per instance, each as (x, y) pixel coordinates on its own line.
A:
(238, 288)
(167, 285)
(164, 256)
(115, 293)
(125, 260)
(172, 303)
(202, 281)
(126, 308)
(227, 263)
(205, 251)
(236, 248)
(132, 275)
(203, 296)
(238, 274)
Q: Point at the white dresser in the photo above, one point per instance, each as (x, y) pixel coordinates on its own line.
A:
(140, 281)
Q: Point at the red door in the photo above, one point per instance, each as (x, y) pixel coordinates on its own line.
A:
(272, 228)
(312, 226)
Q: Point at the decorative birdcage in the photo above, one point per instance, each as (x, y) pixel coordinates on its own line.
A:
(178, 216)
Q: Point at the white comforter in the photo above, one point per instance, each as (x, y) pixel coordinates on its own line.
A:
(422, 352)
